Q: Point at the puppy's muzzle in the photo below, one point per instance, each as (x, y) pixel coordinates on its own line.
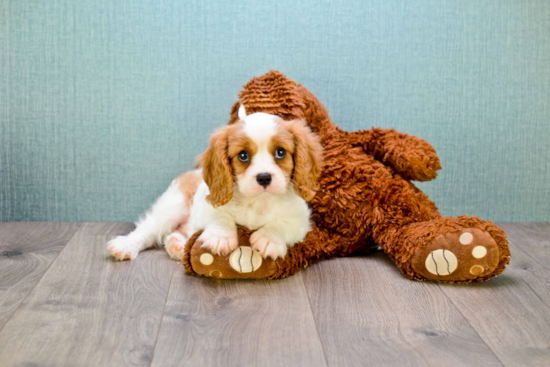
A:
(264, 179)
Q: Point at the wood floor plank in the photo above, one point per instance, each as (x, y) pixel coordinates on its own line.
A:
(369, 314)
(26, 251)
(533, 241)
(531, 238)
(512, 312)
(209, 322)
(88, 310)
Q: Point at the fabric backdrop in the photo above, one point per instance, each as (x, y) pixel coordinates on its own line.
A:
(103, 102)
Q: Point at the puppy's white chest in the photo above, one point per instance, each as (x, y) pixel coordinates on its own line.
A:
(254, 212)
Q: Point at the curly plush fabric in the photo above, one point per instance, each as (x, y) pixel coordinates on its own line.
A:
(366, 198)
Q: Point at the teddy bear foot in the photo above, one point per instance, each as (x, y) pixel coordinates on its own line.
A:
(468, 254)
(243, 263)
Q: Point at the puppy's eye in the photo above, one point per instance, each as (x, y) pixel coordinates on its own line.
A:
(280, 153)
(243, 156)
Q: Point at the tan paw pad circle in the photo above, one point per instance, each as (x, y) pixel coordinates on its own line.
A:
(206, 259)
(441, 262)
(466, 238)
(245, 260)
(215, 274)
(479, 252)
(476, 269)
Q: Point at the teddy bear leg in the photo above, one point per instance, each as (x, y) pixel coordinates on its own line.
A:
(451, 250)
(246, 263)
(426, 246)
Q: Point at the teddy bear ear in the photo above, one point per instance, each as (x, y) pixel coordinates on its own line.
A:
(242, 112)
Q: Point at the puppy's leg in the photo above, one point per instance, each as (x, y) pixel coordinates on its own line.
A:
(169, 212)
(274, 237)
(175, 242)
(220, 231)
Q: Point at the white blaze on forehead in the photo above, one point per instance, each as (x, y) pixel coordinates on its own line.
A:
(260, 127)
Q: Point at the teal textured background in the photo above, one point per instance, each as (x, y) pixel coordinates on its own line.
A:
(103, 102)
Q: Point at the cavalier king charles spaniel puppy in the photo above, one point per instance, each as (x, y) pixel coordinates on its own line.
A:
(259, 173)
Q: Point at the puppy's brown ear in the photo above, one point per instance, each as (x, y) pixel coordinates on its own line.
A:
(216, 169)
(308, 160)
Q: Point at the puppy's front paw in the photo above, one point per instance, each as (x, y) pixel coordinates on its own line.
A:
(219, 241)
(123, 248)
(268, 244)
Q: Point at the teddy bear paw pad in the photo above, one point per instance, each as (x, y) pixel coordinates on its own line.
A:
(441, 262)
(462, 255)
(245, 260)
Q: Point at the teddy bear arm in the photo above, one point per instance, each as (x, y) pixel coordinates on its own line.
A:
(411, 157)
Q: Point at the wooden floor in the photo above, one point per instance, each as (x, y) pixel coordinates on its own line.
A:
(64, 302)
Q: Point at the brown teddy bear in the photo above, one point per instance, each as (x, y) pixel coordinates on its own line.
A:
(366, 200)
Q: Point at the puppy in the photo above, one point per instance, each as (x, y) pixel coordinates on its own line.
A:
(259, 172)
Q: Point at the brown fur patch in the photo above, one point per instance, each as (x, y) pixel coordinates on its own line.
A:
(237, 142)
(188, 184)
(283, 139)
(216, 166)
(308, 158)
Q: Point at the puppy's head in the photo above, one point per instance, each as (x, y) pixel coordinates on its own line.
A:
(262, 153)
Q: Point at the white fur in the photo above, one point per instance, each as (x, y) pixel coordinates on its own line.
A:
(278, 215)
(242, 112)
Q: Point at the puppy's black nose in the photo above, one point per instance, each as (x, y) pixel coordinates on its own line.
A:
(264, 179)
